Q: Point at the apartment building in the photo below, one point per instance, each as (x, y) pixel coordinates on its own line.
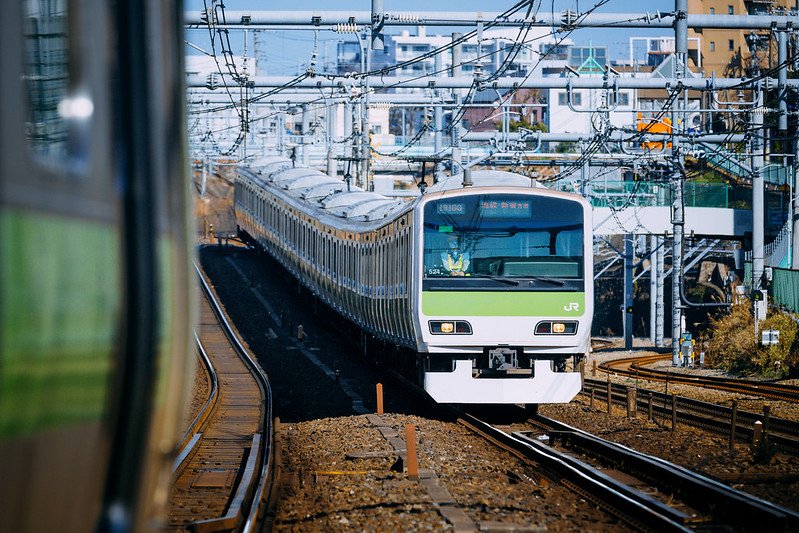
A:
(728, 53)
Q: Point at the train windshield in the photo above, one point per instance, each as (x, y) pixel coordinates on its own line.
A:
(484, 239)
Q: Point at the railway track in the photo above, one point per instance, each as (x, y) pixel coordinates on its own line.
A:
(646, 492)
(732, 422)
(636, 367)
(633, 508)
(683, 496)
(223, 474)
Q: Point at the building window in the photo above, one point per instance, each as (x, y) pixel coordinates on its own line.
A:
(731, 45)
(624, 99)
(712, 46)
(712, 10)
(377, 129)
(577, 99)
(730, 10)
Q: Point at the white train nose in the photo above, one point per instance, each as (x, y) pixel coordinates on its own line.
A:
(544, 386)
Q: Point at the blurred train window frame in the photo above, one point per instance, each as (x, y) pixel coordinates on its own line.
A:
(58, 113)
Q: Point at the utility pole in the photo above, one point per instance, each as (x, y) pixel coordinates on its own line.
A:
(330, 127)
(438, 120)
(758, 207)
(653, 284)
(304, 144)
(376, 37)
(678, 207)
(629, 265)
(660, 304)
(756, 126)
(378, 20)
(365, 154)
(455, 124)
(782, 77)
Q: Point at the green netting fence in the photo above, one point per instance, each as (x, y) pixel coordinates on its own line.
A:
(785, 288)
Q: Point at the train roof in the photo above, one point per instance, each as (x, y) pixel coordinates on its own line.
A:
(328, 195)
(485, 178)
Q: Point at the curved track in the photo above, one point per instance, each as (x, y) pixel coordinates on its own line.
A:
(636, 367)
(686, 497)
(715, 418)
(224, 471)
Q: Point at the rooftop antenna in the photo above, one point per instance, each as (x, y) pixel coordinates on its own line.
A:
(467, 177)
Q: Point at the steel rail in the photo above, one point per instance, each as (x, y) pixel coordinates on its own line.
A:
(257, 479)
(776, 391)
(637, 509)
(193, 433)
(727, 507)
(632, 507)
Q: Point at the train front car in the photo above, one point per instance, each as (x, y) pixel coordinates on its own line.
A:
(505, 290)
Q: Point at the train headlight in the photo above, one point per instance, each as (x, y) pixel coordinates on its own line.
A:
(450, 327)
(550, 327)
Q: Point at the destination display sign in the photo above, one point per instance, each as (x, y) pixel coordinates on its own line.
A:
(505, 209)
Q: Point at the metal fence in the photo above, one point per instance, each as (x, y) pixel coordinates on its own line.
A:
(620, 194)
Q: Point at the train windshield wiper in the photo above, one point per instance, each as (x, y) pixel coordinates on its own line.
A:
(553, 281)
(507, 281)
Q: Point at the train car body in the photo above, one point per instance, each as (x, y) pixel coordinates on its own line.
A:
(488, 285)
(95, 251)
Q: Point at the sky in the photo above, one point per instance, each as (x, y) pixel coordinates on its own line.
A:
(288, 51)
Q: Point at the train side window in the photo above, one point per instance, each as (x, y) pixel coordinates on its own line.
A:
(334, 259)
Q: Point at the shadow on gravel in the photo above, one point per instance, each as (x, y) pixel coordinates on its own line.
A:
(318, 377)
(499, 414)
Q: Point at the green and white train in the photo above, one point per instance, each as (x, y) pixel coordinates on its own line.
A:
(486, 284)
(96, 286)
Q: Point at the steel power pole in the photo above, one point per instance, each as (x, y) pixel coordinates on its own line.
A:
(629, 266)
(455, 71)
(678, 206)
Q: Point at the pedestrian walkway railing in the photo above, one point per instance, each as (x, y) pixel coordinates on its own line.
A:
(621, 194)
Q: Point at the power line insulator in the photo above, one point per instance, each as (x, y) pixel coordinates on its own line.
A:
(212, 81)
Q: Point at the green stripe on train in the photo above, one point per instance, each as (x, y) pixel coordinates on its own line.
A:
(59, 318)
(510, 303)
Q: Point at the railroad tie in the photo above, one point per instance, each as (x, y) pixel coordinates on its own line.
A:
(438, 493)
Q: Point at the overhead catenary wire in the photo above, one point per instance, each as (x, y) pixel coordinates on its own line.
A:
(593, 147)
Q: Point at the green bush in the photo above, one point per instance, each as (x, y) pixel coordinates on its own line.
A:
(732, 346)
(733, 341)
(777, 360)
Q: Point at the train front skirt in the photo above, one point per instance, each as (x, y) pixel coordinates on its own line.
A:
(545, 386)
